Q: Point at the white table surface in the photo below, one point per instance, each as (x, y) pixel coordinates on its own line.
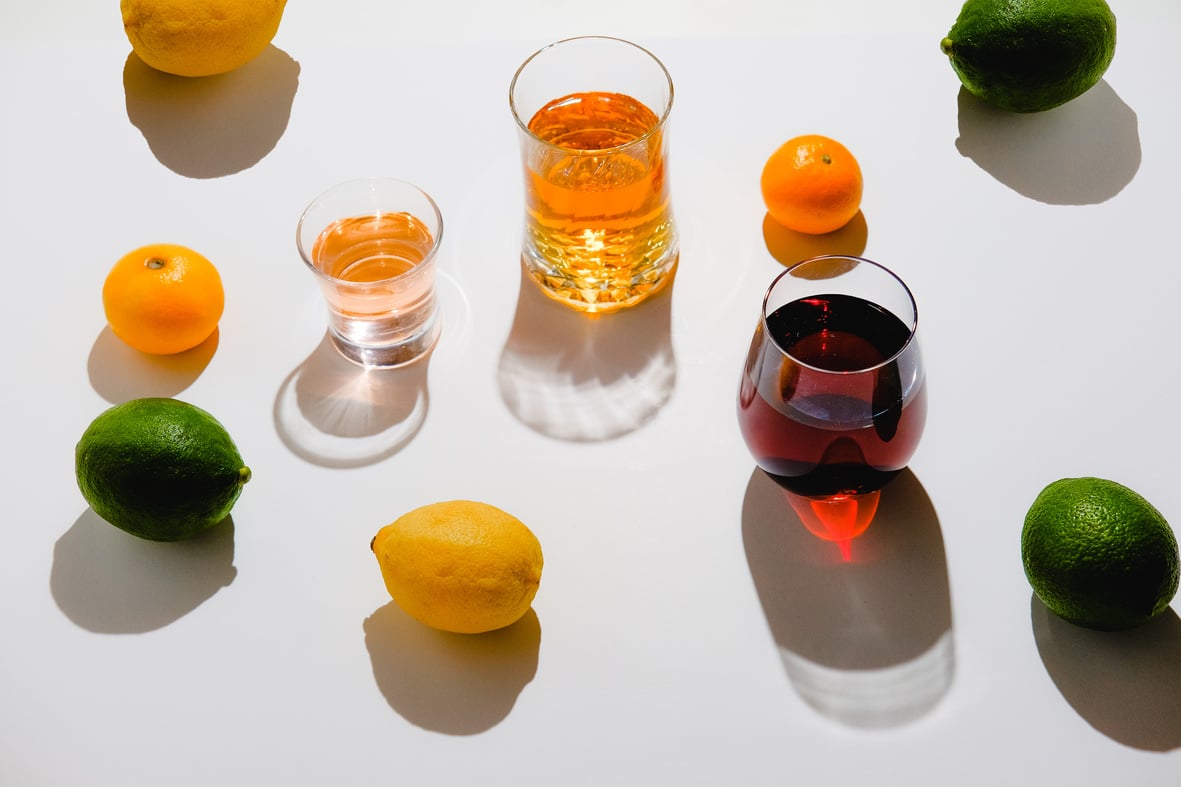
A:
(687, 631)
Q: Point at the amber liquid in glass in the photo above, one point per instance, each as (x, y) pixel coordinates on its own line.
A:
(597, 199)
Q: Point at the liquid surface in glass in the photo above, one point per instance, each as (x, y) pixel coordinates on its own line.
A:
(372, 247)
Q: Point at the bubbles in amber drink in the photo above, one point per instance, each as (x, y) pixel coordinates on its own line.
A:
(599, 231)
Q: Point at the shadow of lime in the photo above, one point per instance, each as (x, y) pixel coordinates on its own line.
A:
(789, 247)
(110, 582)
(1125, 684)
(119, 372)
(458, 684)
(209, 127)
(1081, 153)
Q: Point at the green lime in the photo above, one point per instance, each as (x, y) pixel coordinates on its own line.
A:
(1098, 554)
(161, 469)
(1031, 55)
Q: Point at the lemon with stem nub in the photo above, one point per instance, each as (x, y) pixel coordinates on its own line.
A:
(460, 566)
(197, 38)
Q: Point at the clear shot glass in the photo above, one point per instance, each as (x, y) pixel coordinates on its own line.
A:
(372, 245)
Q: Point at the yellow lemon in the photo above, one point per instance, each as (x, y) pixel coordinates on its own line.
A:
(196, 38)
(460, 565)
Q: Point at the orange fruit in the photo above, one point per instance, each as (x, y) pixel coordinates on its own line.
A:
(812, 184)
(163, 298)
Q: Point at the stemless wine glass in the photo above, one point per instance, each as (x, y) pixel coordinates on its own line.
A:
(832, 400)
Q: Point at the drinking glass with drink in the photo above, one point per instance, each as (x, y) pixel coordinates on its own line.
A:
(832, 400)
(592, 113)
(372, 244)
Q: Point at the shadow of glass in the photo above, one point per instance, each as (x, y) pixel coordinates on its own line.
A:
(111, 582)
(332, 412)
(1125, 684)
(459, 684)
(1081, 153)
(789, 247)
(208, 127)
(866, 642)
(587, 377)
(118, 372)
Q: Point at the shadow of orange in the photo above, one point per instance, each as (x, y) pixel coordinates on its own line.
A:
(457, 684)
(118, 372)
(789, 247)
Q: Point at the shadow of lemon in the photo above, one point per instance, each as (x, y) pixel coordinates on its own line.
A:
(209, 127)
(459, 684)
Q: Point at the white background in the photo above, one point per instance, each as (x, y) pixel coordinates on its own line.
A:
(687, 631)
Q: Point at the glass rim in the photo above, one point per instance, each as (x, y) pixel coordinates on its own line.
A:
(436, 237)
(910, 338)
(523, 125)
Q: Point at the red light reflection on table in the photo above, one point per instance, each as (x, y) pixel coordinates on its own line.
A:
(839, 518)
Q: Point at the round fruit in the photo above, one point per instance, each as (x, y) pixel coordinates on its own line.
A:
(161, 469)
(460, 566)
(812, 184)
(1098, 554)
(163, 299)
(1031, 55)
(196, 38)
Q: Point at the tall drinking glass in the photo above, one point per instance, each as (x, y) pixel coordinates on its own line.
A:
(832, 400)
(593, 115)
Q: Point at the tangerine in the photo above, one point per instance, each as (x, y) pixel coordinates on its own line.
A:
(163, 298)
(812, 184)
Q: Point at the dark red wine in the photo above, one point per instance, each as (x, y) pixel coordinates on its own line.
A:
(820, 408)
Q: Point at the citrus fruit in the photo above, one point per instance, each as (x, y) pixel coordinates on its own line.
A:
(1098, 554)
(196, 38)
(1031, 55)
(161, 469)
(812, 184)
(163, 298)
(460, 565)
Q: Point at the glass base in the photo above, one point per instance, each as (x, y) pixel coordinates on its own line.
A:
(388, 356)
(595, 293)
